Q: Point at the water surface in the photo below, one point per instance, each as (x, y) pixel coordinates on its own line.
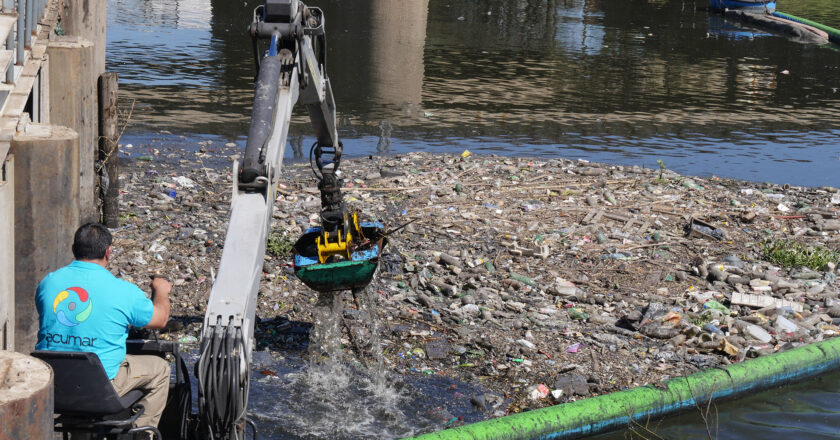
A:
(809, 410)
(620, 81)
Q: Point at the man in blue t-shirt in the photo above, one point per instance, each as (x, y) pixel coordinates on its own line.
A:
(82, 307)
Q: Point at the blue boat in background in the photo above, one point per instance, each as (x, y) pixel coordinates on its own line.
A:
(758, 5)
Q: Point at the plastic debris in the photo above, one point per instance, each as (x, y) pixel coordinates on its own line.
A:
(714, 305)
(758, 333)
(728, 348)
(538, 392)
(574, 348)
(560, 254)
(698, 228)
(762, 301)
(523, 279)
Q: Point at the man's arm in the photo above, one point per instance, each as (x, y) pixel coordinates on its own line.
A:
(160, 302)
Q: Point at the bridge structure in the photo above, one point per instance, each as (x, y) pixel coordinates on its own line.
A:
(52, 55)
(54, 160)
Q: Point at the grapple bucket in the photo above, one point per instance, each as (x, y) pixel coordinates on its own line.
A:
(332, 276)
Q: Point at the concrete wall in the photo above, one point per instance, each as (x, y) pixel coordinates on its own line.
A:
(73, 102)
(87, 19)
(7, 254)
(46, 215)
(83, 21)
(53, 185)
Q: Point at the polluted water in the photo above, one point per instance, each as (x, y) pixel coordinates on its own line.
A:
(326, 395)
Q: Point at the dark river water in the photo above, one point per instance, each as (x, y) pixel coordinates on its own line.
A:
(809, 410)
(617, 81)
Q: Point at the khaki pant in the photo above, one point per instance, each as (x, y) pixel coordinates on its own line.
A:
(149, 374)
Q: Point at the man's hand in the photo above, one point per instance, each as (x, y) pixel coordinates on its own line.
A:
(160, 301)
(160, 285)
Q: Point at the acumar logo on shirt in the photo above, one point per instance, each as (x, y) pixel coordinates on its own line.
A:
(72, 306)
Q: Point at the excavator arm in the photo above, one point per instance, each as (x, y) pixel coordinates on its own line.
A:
(292, 69)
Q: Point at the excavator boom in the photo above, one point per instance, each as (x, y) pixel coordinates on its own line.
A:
(292, 68)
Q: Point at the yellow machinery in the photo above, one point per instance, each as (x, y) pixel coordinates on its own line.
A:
(343, 239)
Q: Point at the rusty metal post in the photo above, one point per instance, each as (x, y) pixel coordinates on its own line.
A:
(26, 398)
(109, 175)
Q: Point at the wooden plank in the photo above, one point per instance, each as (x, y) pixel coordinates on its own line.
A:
(108, 151)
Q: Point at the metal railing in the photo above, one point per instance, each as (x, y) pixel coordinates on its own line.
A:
(19, 40)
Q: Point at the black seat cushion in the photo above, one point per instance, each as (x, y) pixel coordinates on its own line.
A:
(81, 386)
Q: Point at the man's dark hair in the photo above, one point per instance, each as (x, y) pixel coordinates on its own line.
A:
(91, 241)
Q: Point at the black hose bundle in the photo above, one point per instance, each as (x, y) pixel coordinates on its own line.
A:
(222, 386)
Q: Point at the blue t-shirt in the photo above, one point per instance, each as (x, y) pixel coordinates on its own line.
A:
(82, 307)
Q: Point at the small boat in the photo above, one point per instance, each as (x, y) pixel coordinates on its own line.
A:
(339, 273)
(758, 5)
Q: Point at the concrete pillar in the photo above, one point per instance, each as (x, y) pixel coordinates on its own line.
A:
(26, 397)
(46, 216)
(73, 103)
(398, 38)
(87, 19)
(7, 254)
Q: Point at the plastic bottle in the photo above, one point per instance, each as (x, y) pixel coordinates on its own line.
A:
(758, 333)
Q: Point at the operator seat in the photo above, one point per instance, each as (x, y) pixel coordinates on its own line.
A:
(85, 400)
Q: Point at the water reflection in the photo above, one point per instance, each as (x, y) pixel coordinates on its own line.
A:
(397, 39)
(614, 79)
(579, 26)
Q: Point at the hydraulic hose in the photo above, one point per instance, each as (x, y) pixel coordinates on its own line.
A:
(222, 389)
(265, 99)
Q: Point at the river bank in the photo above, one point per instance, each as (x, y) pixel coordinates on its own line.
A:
(544, 281)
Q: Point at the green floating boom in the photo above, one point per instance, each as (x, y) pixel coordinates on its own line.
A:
(833, 34)
(613, 411)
